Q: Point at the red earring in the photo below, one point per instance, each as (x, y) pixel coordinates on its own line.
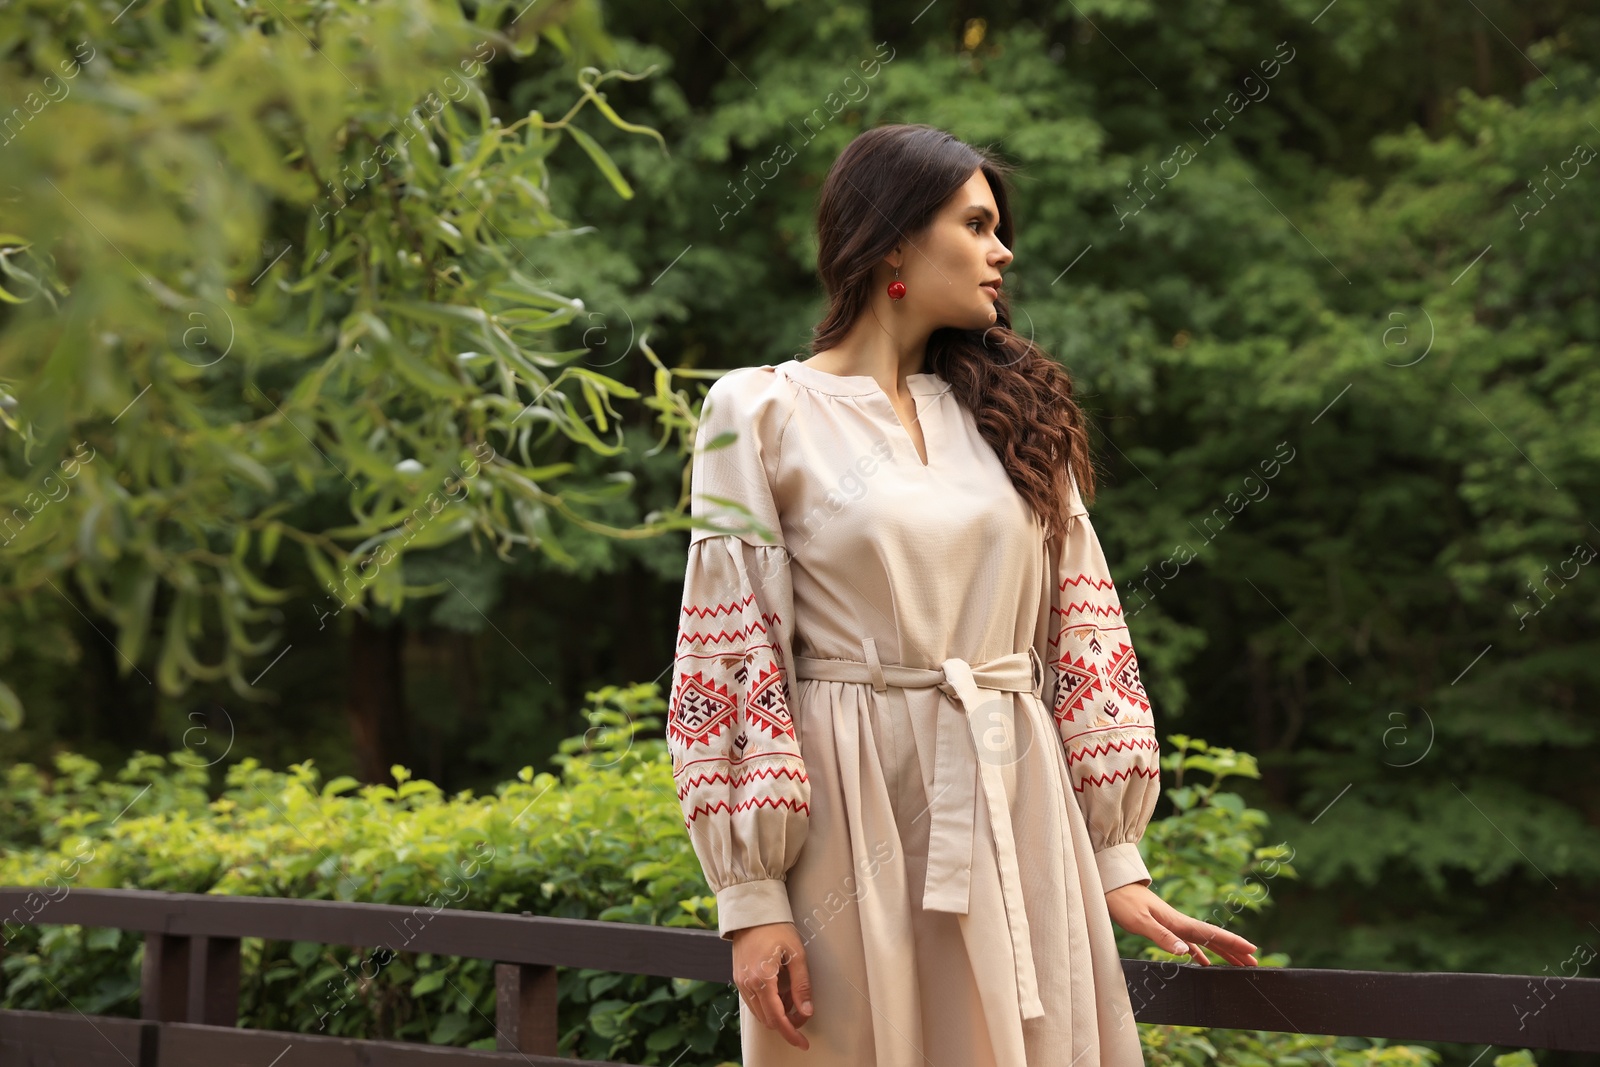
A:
(897, 288)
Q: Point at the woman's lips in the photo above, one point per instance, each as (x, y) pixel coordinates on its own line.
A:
(994, 294)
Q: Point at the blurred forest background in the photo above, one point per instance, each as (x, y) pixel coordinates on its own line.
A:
(348, 354)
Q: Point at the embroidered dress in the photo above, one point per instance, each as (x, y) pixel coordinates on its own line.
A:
(904, 719)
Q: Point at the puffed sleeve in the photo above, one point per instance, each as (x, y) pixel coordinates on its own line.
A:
(735, 753)
(1099, 703)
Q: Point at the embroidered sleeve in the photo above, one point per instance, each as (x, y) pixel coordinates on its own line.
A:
(736, 755)
(1099, 703)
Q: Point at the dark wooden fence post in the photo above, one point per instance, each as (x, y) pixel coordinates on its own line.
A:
(525, 1008)
(164, 978)
(213, 981)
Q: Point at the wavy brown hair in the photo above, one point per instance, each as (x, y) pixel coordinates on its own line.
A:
(891, 181)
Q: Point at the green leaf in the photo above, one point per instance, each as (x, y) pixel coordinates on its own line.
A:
(603, 161)
(258, 590)
(134, 615)
(269, 540)
(258, 475)
(449, 1030)
(10, 708)
(428, 983)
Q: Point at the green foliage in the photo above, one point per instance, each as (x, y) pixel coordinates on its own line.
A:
(37, 809)
(1206, 859)
(93, 968)
(1190, 1046)
(284, 330)
(1519, 1058)
(603, 840)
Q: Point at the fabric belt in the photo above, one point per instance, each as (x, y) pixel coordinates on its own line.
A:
(959, 768)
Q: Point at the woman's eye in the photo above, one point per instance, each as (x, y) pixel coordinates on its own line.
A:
(975, 222)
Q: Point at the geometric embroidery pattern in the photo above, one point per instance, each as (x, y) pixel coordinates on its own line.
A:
(1101, 709)
(729, 727)
(701, 711)
(1096, 669)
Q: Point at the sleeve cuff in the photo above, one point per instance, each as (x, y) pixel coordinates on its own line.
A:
(1121, 865)
(755, 903)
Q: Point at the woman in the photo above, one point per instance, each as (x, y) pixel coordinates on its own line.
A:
(908, 732)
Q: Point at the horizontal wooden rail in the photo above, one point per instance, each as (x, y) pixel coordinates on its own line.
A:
(50, 1039)
(627, 948)
(191, 973)
(1513, 1011)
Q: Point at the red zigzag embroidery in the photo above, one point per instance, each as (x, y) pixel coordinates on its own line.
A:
(696, 638)
(759, 802)
(793, 773)
(1098, 583)
(1113, 746)
(1107, 779)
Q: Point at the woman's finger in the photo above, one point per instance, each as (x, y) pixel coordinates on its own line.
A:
(764, 972)
(760, 986)
(752, 997)
(756, 994)
(1164, 938)
(770, 994)
(1230, 946)
(779, 1018)
(800, 987)
(1162, 933)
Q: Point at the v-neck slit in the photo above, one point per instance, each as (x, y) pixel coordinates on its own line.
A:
(926, 448)
(921, 385)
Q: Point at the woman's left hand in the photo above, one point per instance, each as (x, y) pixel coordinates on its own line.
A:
(1139, 911)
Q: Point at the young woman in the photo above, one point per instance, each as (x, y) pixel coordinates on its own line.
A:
(909, 737)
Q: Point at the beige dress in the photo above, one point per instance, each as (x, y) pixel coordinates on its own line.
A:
(942, 815)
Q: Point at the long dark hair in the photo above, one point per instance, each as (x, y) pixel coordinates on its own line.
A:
(890, 181)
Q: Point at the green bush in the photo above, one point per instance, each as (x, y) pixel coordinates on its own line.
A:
(1207, 859)
(602, 840)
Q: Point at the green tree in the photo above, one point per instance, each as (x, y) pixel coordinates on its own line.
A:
(271, 283)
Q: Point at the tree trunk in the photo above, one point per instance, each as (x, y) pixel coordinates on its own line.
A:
(375, 699)
(123, 709)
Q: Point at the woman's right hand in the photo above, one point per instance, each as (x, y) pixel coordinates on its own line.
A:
(769, 967)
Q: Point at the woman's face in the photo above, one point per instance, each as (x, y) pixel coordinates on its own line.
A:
(946, 267)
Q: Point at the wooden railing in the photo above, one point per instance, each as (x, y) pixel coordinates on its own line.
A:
(190, 985)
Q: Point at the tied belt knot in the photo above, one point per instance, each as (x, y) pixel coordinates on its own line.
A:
(959, 771)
